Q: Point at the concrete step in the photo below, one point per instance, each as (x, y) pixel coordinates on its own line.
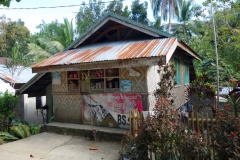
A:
(73, 129)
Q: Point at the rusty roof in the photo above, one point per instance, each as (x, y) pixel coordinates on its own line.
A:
(112, 51)
(23, 77)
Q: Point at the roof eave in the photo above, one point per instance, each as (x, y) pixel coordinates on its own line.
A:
(186, 48)
(30, 82)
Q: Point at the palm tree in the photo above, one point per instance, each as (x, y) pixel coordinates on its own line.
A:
(43, 48)
(64, 33)
(52, 38)
(185, 26)
(168, 8)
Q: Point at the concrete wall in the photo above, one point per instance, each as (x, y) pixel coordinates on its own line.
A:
(30, 112)
(153, 78)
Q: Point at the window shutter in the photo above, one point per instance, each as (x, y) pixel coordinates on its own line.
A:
(186, 73)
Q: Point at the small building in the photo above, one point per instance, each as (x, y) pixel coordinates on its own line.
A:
(110, 70)
(26, 110)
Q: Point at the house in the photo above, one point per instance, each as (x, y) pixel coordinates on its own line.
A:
(26, 110)
(110, 70)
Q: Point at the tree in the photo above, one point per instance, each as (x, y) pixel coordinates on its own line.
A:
(168, 8)
(139, 12)
(227, 29)
(116, 7)
(13, 34)
(185, 28)
(87, 16)
(6, 3)
(62, 32)
(43, 48)
(16, 64)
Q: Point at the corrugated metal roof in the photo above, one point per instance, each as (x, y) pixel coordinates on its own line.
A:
(111, 51)
(22, 78)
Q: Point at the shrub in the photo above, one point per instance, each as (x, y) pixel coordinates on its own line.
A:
(226, 135)
(7, 103)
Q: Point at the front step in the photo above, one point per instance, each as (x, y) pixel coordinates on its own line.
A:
(73, 129)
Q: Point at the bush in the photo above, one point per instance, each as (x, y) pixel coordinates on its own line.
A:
(226, 135)
(7, 104)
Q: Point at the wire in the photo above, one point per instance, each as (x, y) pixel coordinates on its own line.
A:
(83, 4)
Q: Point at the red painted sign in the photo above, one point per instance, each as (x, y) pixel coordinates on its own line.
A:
(109, 109)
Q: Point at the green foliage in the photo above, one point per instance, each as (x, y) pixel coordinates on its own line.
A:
(162, 132)
(117, 7)
(166, 8)
(34, 129)
(7, 103)
(43, 48)
(23, 131)
(139, 12)
(166, 83)
(193, 146)
(18, 130)
(26, 130)
(13, 34)
(16, 64)
(6, 3)
(5, 136)
(234, 97)
(88, 15)
(227, 29)
(201, 90)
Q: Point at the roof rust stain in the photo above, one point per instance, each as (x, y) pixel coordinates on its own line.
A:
(169, 44)
(111, 51)
(133, 50)
(89, 55)
(7, 78)
(151, 48)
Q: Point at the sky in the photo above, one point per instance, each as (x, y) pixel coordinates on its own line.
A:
(34, 17)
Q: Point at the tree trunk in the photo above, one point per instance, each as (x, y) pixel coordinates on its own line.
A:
(169, 17)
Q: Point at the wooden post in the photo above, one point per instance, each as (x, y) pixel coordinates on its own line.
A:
(134, 123)
(130, 122)
(203, 136)
(197, 123)
(192, 121)
(208, 141)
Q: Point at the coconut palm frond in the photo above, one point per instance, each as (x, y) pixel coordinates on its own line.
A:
(32, 46)
(54, 47)
(36, 52)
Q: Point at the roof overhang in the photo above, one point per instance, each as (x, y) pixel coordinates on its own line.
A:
(114, 54)
(36, 86)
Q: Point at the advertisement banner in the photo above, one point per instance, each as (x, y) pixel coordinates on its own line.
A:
(109, 109)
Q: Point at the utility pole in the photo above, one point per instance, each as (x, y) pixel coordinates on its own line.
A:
(216, 52)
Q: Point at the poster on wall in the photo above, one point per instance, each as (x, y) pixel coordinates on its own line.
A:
(109, 109)
(56, 78)
(126, 85)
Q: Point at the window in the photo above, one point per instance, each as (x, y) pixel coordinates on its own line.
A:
(101, 79)
(177, 68)
(186, 73)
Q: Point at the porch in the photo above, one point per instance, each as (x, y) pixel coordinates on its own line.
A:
(81, 130)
